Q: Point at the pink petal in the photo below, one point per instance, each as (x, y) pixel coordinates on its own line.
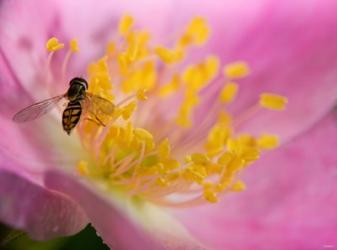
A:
(291, 49)
(304, 39)
(24, 154)
(290, 201)
(298, 62)
(23, 39)
(116, 229)
(290, 46)
(27, 147)
(42, 213)
(23, 36)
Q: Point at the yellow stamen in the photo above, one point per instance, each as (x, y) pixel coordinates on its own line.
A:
(141, 95)
(250, 154)
(111, 49)
(164, 149)
(128, 110)
(273, 101)
(125, 24)
(82, 168)
(197, 33)
(217, 138)
(236, 70)
(225, 158)
(238, 186)
(229, 92)
(268, 141)
(210, 195)
(171, 87)
(184, 116)
(169, 56)
(53, 44)
(74, 45)
(211, 67)
(199, 158)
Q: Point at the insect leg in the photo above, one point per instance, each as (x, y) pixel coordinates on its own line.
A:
(92, 120)
(96, 121)
(101, 123)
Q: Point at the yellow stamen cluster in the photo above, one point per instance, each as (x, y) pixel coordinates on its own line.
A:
(194, 79)
(155, 155)
(196, 33)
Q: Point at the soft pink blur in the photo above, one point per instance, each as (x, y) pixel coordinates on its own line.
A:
(292, 49)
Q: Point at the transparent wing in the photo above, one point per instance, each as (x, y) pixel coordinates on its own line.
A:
(36, 110)
(98, 105)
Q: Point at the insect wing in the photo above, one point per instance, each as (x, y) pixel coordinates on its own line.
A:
(36, 110)
(98, 105)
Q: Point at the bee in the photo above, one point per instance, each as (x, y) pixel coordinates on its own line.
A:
(79, 101)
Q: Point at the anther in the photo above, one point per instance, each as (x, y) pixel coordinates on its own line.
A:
(236, 70)
(53, 44)
(273, 101)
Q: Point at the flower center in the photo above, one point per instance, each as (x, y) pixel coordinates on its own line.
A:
(171, 139)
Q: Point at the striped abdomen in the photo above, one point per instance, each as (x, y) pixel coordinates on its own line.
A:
(71, 116)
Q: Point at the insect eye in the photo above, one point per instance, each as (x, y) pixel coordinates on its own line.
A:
(79, 80)
(86, 84)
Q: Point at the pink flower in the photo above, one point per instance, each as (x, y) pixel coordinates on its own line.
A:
(119, 177)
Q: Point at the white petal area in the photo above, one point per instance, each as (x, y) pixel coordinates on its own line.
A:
(123, 223)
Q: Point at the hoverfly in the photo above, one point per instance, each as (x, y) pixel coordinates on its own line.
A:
(78, 100)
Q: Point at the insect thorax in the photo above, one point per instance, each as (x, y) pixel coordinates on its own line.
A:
(77, 89)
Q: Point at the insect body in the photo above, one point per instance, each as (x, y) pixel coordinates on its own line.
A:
(79, 102)
(71, 115)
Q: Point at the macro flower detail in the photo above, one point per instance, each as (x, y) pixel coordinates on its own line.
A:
(151, 146)
(208, 100)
